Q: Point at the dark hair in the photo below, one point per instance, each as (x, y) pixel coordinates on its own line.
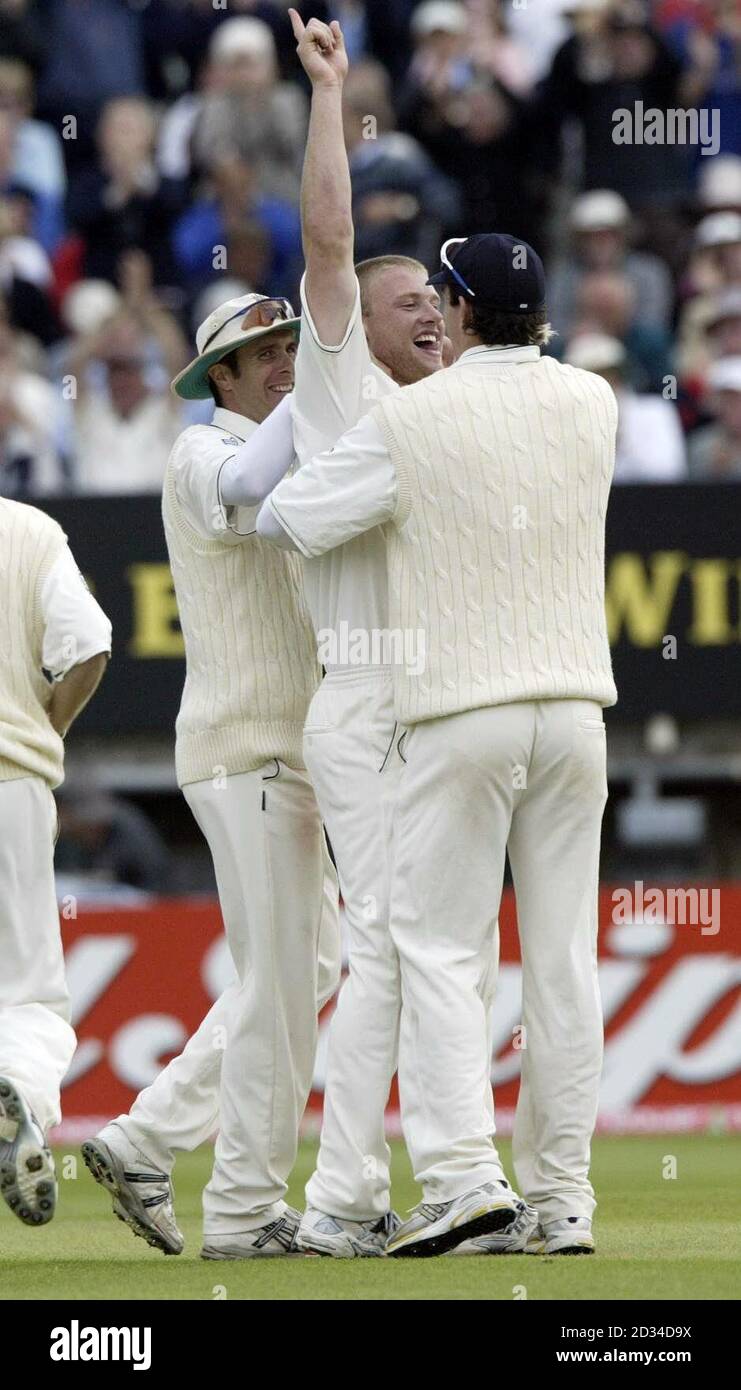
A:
(231, 360)
(499, 328)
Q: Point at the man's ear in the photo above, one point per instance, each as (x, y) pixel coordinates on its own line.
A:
(219, 374)
(467, 316)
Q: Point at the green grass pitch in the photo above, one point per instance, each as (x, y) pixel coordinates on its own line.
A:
(658, 1238)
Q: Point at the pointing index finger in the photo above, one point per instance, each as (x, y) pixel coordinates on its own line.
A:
(299, 28)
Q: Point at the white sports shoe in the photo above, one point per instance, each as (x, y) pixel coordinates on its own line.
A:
(511, 1241)
(266, 1242)
(436, 1227)
(142, 1194)
(323, 1234)
(572, 1235)
(27, 1178)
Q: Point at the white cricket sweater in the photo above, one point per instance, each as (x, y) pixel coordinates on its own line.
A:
(30, 543)
(250, 653)
(497, 549)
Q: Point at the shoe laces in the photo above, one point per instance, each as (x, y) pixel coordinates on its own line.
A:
(386, 1224)
(524, 1218)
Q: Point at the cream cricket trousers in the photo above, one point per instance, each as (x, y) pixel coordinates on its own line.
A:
(267, 843)
(180, 1110)
(36, 1041)
(528, 779)
(350, 751)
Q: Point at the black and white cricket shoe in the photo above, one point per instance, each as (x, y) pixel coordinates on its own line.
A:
(434, 1228)
(277, 1238)
(27, 1178)
(142, 1194)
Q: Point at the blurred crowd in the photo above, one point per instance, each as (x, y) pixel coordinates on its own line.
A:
(150, 164)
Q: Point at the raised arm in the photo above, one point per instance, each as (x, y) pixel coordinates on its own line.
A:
(326, 198)
(135, 272)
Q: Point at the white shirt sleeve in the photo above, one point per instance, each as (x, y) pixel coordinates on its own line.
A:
(75, 626)
(335, 384)
(196, 471)
(246, 479)
(337, 495)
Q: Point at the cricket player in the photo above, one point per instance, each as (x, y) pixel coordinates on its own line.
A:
(55, 641)
(251, 670)
(366, 332)
(492, 478)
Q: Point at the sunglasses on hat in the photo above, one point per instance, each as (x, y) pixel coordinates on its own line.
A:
(446, 261)
(261, 315)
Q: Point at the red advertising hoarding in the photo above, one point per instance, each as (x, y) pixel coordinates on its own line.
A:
(142, 977)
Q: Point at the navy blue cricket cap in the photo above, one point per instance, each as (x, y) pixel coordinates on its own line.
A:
(494, 270)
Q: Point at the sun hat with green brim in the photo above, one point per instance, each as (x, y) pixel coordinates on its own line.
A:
(223, 331)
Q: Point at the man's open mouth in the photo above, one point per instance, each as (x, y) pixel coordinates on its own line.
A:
(429, 342)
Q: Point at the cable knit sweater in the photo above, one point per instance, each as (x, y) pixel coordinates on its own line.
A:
(496, 550)
(250, 652)
(30, 543)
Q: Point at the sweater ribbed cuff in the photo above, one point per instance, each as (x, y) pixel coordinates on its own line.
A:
(209, 753)
(49, 770)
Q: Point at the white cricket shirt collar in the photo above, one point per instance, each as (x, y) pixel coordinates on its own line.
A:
(233, 422)
(485, 354)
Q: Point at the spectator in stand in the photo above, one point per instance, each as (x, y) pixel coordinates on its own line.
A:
(245, 109)
(126, 419)
(707, 38)
(38, 158)
(46, 221)
(715, 266)
(26, 277)
(606, 303)
(234, 227)
(600, 240)
(238, 71)
(122, 202)
(31, 464)
(715, 449)
(719, 184)
(94, 53)
(402, 204)
(650, 445)
(470, 123)
(613, 60)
